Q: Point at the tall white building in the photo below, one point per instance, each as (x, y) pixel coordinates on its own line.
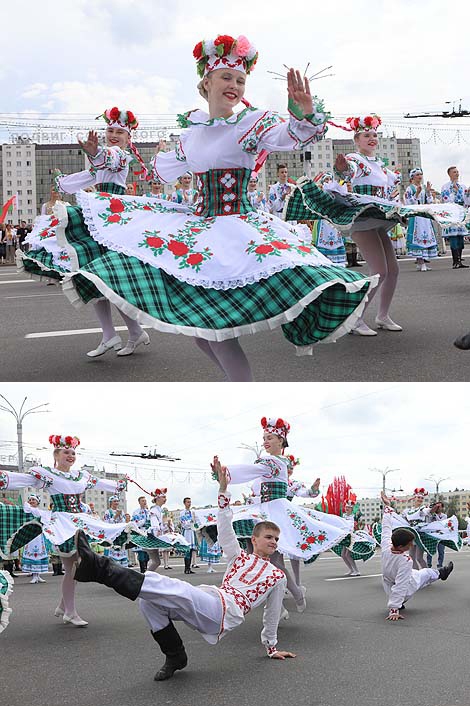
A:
(18, 172)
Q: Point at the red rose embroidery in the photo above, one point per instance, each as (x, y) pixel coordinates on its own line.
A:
(264, 249)
(305, 248)
(321, 537)
(116, 206)
(155, 242)
(311, 540)
(280, 245)
(54, 223)
(115, 218)
(147, 208)
(194, 259)
(304, 547)
(178, 248)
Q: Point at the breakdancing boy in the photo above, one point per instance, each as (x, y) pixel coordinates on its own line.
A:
(249, 581)
(400, 580)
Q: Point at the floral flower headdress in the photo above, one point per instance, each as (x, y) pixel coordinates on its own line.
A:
(64, 442)
(276, 426)
(113, 498)
(414, 172)
(364, 123)
(420, 491)
(159, 493)
(225, 52)
(124, 119)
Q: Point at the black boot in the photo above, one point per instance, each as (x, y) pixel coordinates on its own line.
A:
(172, 647)
(446, 570)
(349, 258)
(59, 569)
(54, 570)
(102, 569)
(187, 565)
(455, 258)
(355, 262)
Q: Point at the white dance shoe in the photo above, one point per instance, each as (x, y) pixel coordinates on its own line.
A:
(59, 612)
(35, 579)
(104, 347)
(40, 580)
(355, 573)
(362, 329)
(284, 614)
(210, 570)
(144, 339)
(75, 620)
(387, 324)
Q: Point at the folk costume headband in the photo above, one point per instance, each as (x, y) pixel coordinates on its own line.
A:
(225, 52)
(417, 492)
(34, 496)
(361, 123)
(278, 426)
(414, 172)
(64, 442)
(126, 120)
(159, 493)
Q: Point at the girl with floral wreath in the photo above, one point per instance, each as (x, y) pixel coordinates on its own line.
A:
(224, 269)
(421, 239)
(35, 557)
(54, 252)
(18, 526)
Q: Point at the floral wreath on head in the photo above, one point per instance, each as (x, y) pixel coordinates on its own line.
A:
(420, 491)
(159, 492)
(113, 498)
(64, 442)
(225, 51)
(414, 172)
(276, 426)
(364, 123)
(120, 118)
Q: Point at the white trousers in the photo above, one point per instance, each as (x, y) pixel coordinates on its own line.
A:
(419, 579)
(162, 599)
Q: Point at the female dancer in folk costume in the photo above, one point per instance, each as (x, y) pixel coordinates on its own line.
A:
(156, 190)
(35, 557)
(225, 269)
(53, 254)
(18, 527)
(367, 212)
(326, 238)
(428, 531)
(455, 192)
(420, 237)
(255, 197)
(302, 536)
(184, 193)
(114, 515)
(160, 536)
(187, 522)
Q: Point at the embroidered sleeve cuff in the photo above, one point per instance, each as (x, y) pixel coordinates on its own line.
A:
(394, 611)
(223, 500)
(270, 651)
(314, 492)
(387, 509)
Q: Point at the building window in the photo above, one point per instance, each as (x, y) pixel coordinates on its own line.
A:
(28, 163)
(30, 210)
(8, 164)
(18, 164)
(8, 174)
(9, 193)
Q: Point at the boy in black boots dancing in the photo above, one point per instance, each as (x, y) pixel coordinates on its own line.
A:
(249, 581)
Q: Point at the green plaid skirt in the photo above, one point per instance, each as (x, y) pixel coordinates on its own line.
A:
(424, 541)
(40, 264)
(308, 201)
(138, 540)
(359, 550)
(171, 305)
(17, 528)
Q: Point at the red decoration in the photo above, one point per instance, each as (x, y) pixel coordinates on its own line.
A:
(197, 51)
(194, 259)
(155, 242)
(227, 42)
(130, 116)
(116, 206)
(337, 496)
(114, 113)
(178, 248)
(115, 218)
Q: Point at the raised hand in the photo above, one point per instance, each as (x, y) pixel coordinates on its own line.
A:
(385, 498)
(341, 164)
(160, 146)
(298, 90)
(91, 144)
(316, 485)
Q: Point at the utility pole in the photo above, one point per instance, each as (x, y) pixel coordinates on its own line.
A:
(437, 482)
(19, 416)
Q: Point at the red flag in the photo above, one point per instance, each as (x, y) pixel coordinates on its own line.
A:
(6, 207)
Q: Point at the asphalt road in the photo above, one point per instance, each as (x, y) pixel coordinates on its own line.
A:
(347, 654)
(44, 339)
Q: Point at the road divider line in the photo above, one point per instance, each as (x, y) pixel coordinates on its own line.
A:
(17, 281)
(33, 296)
(353, 578)
(73, 332)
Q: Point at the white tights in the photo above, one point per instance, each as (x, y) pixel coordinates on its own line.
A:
(377, 250)
(103, 312)
(229, 357)
(67, 602)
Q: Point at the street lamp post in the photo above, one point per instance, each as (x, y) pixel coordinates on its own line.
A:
(19, 416)
(384, 473)
(437, 482)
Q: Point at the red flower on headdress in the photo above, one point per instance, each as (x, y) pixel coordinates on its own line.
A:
(353, 123)
(130, 116)
(114, 113)
(68, 440)
(227, 42)
(264, 422)
(197, 51)
(368, 120)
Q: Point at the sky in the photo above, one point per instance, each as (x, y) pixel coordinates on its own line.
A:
(389, 58)
(336, 429)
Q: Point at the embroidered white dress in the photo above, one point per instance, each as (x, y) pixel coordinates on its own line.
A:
(220, 269)
(420, 236)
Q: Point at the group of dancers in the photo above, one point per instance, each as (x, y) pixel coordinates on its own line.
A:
(274, 526)
(223, 267)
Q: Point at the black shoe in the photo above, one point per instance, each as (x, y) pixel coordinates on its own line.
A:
(446, 570)
(102, 569)
(188, 571)
(403, 607)
(461, 266)
(172, 647)
(463, 342)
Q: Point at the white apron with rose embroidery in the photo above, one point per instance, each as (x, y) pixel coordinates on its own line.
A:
(302, 536)
(193, 270)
